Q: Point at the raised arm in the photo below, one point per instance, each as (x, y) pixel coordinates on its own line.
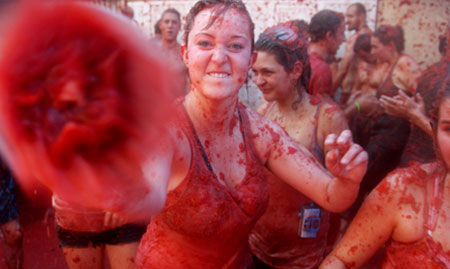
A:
(369, 230)
(335, 189)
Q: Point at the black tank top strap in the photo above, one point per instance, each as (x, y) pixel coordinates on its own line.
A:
(188, 128)
(317, 151)
(388, 87)
(247, 133)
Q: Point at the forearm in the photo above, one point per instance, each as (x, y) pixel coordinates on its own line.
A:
(341, 193)
(350, 111)
(422, 121)
(332, 262)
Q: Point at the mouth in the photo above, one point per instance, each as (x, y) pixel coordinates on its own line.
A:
(218, 75)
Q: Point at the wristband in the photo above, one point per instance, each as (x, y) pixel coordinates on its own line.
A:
(357, 106)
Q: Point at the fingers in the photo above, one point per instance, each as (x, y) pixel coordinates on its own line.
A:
(352, 157)
(113, 220)
(107, 220)
(341, 142)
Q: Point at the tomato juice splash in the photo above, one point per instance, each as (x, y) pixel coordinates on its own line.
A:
(83, 100)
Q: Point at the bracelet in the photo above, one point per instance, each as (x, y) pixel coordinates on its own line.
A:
(357, 106)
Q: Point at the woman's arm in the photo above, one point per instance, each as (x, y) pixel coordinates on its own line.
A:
(369, 230)
(295, 165)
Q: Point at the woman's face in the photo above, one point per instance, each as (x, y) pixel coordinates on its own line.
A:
(379, 50)
(271, 78)
(219, 57)
(443, 131)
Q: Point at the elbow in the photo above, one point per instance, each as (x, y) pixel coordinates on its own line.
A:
(332, 262)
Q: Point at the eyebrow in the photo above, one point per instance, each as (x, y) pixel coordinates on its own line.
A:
(208, 34)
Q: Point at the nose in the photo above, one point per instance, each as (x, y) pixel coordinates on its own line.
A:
(219, 55)
(258, 80)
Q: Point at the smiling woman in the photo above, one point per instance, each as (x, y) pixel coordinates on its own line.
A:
(282, 72)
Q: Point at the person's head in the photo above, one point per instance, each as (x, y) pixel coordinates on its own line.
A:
(301, 27)
(387, 41)
(439, 112)
(355, 16)
(282, 64)
(218, 46)
(170, 24)
(362, 48)
(327, 27)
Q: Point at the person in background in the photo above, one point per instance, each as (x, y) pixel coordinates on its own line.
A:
(385, 136)
(282, 238)
(419, 147)
(355, 19)
(9, 220)
(170, 25)
(408, 211)
(327, 34)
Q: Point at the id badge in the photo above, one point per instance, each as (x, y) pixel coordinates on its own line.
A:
(309, 223)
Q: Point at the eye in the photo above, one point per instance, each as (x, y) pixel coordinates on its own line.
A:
(204, 44)
(236, 46)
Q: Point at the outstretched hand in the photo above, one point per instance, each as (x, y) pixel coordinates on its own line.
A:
(402, 105)
(345, 159)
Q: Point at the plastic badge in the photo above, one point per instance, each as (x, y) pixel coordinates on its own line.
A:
(309, 224)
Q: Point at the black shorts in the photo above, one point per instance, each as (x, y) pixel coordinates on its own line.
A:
(128, 233)
(8, 204)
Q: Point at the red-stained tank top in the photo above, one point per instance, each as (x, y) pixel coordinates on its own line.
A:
(275, 239)
(205, 224)
(424, 253)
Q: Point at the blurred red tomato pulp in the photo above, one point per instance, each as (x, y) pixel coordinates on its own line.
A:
(83, 98)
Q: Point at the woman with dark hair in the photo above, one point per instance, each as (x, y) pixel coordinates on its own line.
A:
(385, 136)
(409, 209)
(282, 237)
(419, 147)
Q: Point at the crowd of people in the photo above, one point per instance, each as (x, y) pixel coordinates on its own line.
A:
(341, 159)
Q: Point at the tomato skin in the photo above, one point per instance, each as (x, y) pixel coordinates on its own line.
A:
(83, 98)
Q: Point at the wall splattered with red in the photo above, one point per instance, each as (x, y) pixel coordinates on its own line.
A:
(422, 21)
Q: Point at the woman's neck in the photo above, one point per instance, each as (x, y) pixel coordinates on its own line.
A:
(211, 116)
(285, 104)
(393, 59)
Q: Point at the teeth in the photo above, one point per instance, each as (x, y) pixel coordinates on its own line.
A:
(218, 75)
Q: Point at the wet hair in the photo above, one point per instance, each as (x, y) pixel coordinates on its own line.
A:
(388, 33)
(360, 8)
(173, 11)
(443, 45)
(362, 43)
(288, 48)
(323, 22)
(299, 26)
(434, 85)
(220, 7)
(157, 28)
